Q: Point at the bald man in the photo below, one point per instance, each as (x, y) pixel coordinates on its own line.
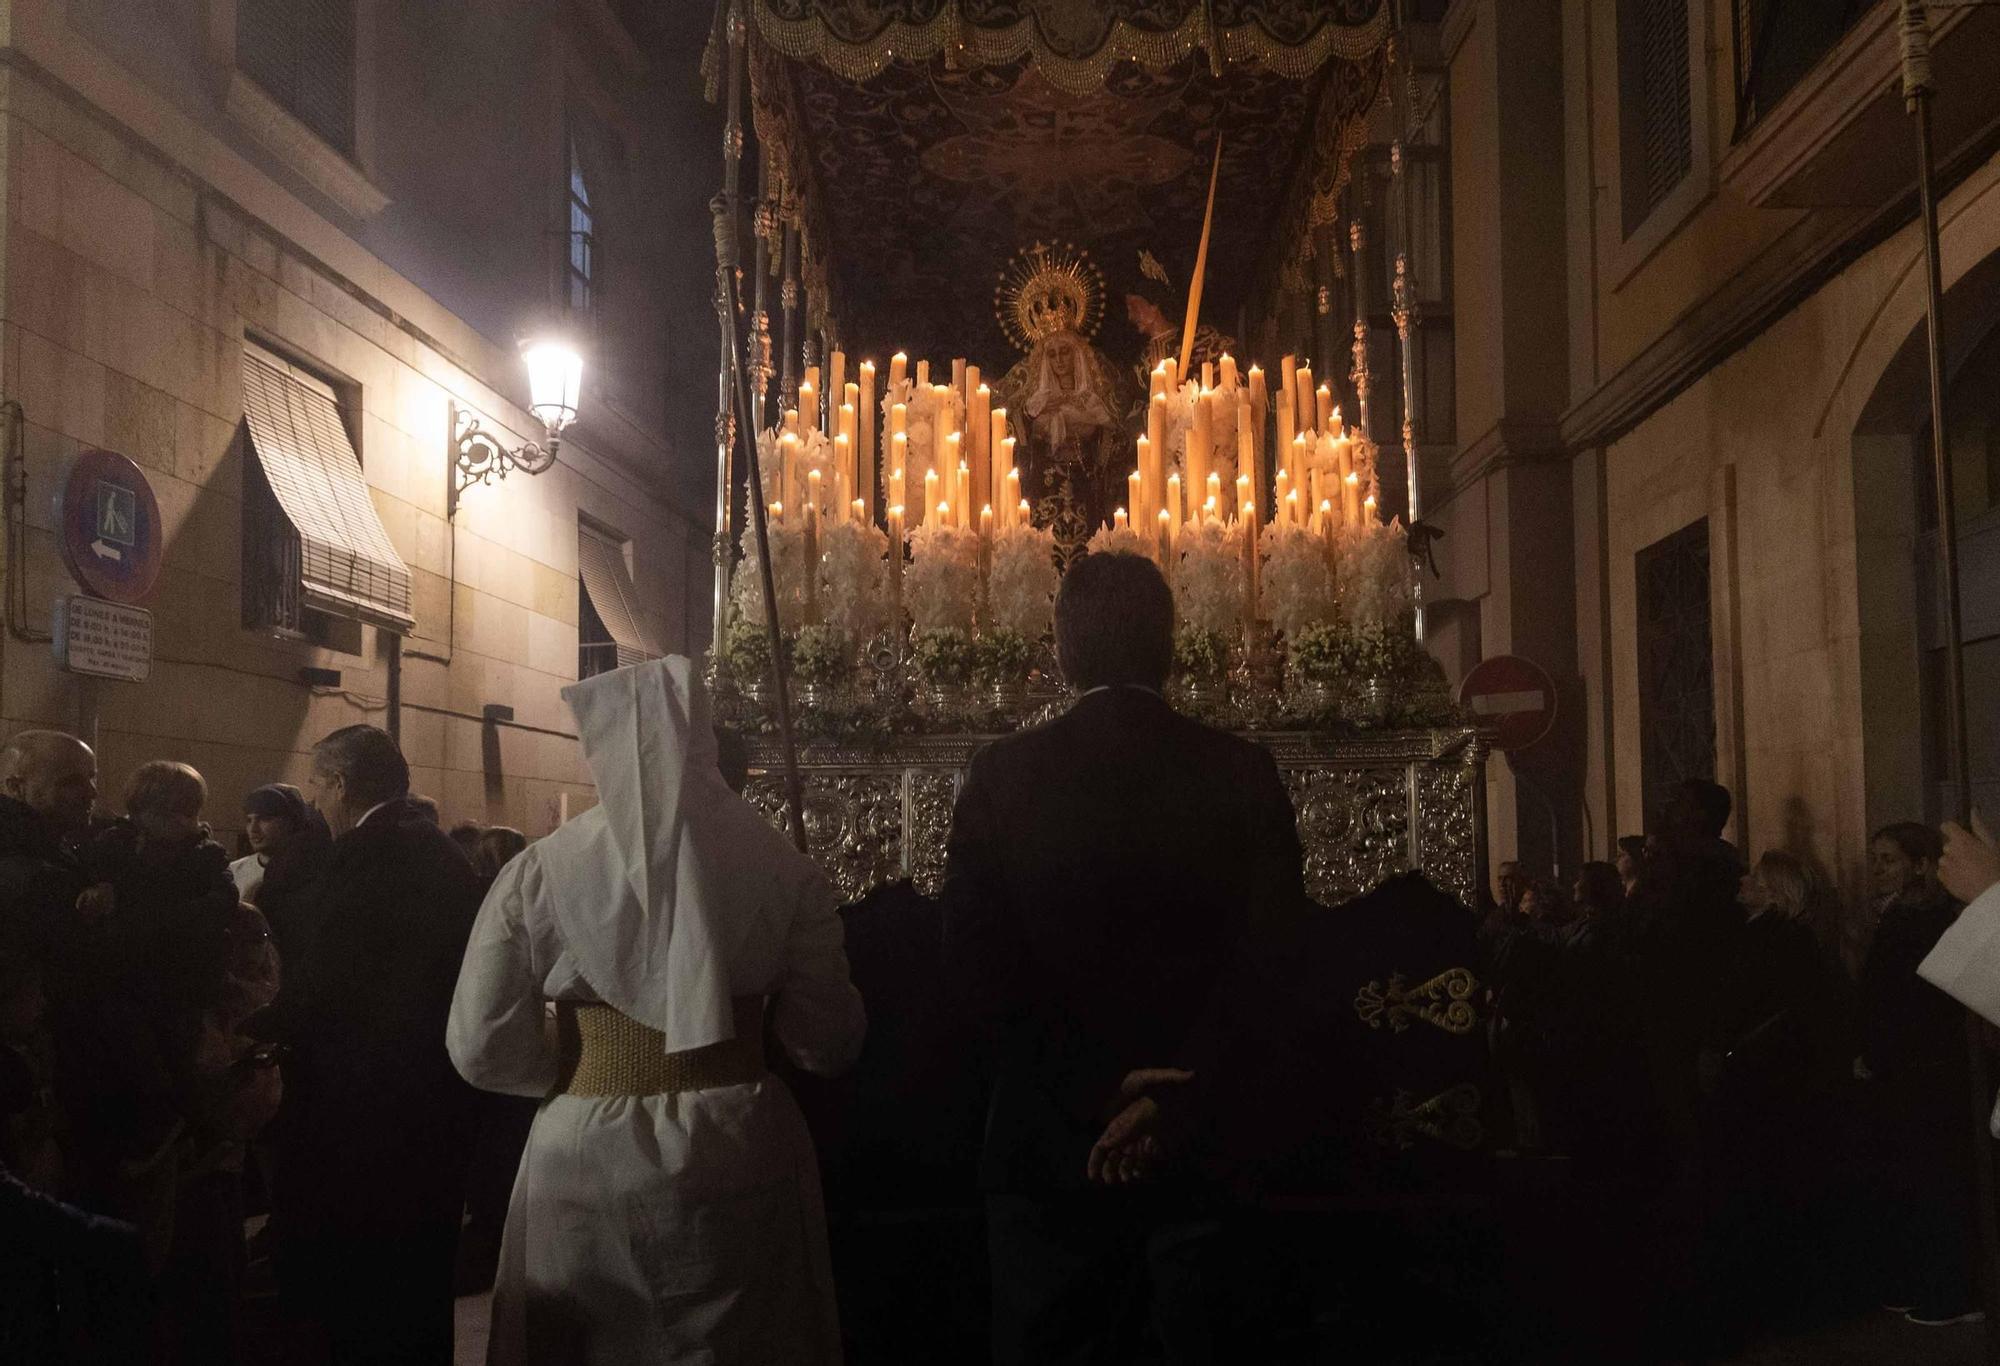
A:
(48, 783)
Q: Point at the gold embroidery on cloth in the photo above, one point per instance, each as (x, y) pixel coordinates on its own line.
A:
(1445, 1001)
(1451, 1117)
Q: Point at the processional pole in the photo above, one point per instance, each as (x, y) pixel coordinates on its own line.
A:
(736, 420)
(1917, 91)
(1403, 308)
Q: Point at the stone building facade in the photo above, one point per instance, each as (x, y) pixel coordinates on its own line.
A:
(1692, 468)
(383, 197)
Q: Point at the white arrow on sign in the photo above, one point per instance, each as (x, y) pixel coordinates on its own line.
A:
(105, 552)
(1507, 703)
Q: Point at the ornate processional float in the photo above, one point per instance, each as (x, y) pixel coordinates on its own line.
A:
(910, 516)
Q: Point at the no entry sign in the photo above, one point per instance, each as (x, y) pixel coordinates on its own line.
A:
(1514, 696)
(110, 527)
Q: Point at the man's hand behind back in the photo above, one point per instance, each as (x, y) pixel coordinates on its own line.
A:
(1138, 1137)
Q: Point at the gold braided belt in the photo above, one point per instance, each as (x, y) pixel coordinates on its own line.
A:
(614, 1055)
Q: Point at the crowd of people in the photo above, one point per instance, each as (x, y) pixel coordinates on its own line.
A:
(189, 1042)
(434, 1062)
(1716, 1034)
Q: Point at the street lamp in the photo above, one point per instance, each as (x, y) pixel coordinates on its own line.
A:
(555, 382)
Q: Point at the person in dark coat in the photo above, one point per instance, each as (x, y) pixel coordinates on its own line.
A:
(48, 784)
(1912, 1067)
(374, 1133)
(1103, 871)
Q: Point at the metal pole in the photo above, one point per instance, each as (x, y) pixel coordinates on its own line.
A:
(724, 206)
(1357, 240)
(763, 225)
(788, 300)
(1917, 100)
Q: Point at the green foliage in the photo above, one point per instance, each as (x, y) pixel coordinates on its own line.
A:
(746, 651)
(944, 658)
(821, 654)
(999, 657)
(1200, 655)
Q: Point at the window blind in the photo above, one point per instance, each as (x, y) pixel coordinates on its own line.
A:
(600, 564)
(1666, 126)
(346, 564)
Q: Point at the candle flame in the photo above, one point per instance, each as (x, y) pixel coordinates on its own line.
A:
(896, 511)
(1024, 507)
(1353, 478)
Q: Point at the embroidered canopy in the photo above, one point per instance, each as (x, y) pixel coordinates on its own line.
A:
(920, 143)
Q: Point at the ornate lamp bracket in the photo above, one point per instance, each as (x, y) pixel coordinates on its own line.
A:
(477, 456)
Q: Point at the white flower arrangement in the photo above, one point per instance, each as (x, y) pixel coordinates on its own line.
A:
(852, 577)
(770, 464)
(923, 407)
(941, 584)
(1208, 578)
(1022, 581)
(1119, 540)
(746, 585)
(816, 453)
(1298, 583)
(1374, 574)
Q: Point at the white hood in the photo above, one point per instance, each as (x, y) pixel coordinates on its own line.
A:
(647, 884)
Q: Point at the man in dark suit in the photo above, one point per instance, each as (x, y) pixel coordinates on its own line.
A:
(374, 1137)
(1105, 871)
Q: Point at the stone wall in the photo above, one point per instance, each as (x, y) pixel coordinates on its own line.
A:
(138, 254)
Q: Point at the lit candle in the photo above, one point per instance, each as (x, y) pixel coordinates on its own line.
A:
(813, 484)
(1173, 374)
(1135, 485)
(1201, 440)
(1118, 520)
(788, 465)
(777, 512)
(1368, 508)
(836, 377)
(1214, 495)
(1294, 509)
(1207, 375)
(809, 399)
(812, 563)
(931, 492)
(944, 514)
(1323, 402)
(1243, 491)
(964, 490)
(1283, 415)
(1156, 425)
(1338, 429)
(945, 421)
(923, 374)
(1208, 512)
(998, 459)
(1283, 488)
(896, 563)
(1250, 565)
(1159, 381)
(899, 460)
(1172, 510)
(1229, 370)
(1165, 538)
(1350, 494)
(1288, 375)
(1022, 513)
(869, 451)
(1304, 394)
(1246, 449)
(1014, 485)
(858, 510)
(840, 485)
(899, 367)
(985, 544)
(978, 435)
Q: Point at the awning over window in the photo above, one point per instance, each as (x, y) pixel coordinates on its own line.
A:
(600, 562)
(347, 565)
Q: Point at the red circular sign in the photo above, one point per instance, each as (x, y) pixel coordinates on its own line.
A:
(110, 527)
(1513, 696)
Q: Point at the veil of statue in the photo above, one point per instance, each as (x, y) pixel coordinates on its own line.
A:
(1066, 401)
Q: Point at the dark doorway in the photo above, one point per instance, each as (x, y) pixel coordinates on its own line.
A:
(1676, 665)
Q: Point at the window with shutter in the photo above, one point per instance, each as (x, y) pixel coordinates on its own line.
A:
(312, 538)
(608, 632)
(1655, 104)
(302, 53)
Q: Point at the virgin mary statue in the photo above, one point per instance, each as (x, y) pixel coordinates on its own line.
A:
(1065, 399)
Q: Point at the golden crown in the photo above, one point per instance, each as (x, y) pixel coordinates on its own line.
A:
(1047, 288)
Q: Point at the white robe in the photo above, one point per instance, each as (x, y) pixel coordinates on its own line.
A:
(668, 1228)
(664, 1228)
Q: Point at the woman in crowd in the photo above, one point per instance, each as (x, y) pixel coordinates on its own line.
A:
(274, 816)
(1912, 1069)
(1767, 1075)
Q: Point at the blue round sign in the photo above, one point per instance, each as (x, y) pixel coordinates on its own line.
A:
(110, 527)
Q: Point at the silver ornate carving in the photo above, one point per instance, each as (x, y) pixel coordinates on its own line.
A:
(1369, 806)
(1444, 1001)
